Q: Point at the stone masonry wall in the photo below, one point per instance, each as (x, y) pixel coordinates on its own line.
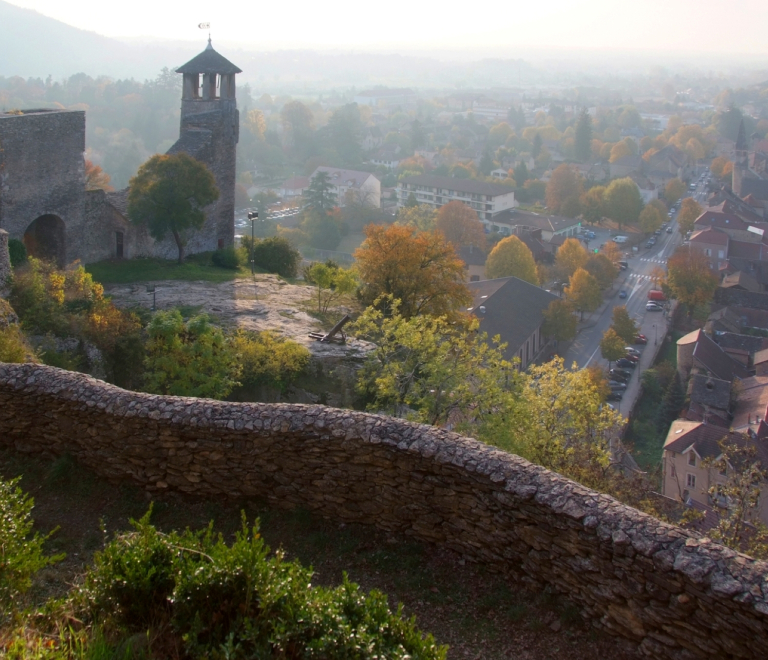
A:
(676, 595)
(5, 262)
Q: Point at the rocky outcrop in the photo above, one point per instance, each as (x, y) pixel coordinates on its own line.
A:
(676, 595)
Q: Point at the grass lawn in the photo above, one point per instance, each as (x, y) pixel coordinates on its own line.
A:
(197, 267)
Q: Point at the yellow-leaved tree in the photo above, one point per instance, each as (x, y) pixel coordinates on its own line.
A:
(511, 257)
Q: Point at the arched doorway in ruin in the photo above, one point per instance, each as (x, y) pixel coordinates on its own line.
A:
(45, 239)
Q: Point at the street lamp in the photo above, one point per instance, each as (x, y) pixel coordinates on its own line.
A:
(253, 216)
(152, 289)
(655, 335)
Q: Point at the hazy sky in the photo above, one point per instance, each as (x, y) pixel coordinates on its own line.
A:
(711, 26)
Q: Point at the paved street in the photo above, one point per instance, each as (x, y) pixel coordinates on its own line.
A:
(636, 281)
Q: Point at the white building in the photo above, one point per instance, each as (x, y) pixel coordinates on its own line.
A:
(363, 185)
(488, 199)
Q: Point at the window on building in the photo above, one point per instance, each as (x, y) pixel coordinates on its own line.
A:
(720, 254)
(119, 251)
(691, 458)
(708, 252)
(690, 480)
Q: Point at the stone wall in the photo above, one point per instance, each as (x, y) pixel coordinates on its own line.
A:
(44, 173)
(5, 263)
(676, 595)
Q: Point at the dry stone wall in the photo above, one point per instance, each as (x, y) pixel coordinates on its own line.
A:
(676, 595)
(5, 262)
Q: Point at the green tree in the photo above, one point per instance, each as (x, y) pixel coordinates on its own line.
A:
(420, 216)
(345, 131)
(169, 194)
(486, 163)
(671, 405)
(268, 360)
(592, 204)
(623, 325)
(558, 420)
(411, 202)
(583, 292)
(276, 255)
(536, 146)
(189, 359)
(611, 346)
(319, 195)
(602, 269)
(570, 256)
(522, 174)
(690, 209)
(650, 219)
(429, 369)
(583, 137)
(511, 257)
(690, 278)
(321, 229)
(623, 202)
(559, 321)
(737, 491)
(21, 550)
(332, 282)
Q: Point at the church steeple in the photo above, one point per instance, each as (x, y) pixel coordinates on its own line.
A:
(741, 141)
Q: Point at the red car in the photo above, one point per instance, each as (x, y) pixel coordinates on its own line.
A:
(641, 339)
(632, 358)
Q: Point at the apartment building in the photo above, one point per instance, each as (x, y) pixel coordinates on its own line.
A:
(488, 199)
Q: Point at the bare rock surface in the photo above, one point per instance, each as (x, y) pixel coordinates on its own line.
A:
(264, 302)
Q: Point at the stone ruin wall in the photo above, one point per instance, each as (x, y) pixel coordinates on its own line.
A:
(6, 271)
(674, 594)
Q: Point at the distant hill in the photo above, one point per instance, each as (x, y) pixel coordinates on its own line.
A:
(33, 45)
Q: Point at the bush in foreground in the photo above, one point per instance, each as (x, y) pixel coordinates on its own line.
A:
(238, 601)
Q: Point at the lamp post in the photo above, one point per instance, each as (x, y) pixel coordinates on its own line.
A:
(655, 335)
(253, 216)
(152, 289)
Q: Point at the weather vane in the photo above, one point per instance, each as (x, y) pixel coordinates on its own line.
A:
(206, 26)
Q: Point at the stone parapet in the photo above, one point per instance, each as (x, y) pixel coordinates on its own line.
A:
(674, 594)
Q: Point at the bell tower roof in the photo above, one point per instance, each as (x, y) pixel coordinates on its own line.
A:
(209, 61)
(741, 138)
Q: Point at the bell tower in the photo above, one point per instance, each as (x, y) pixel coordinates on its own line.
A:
(209, 132)
(741, 160)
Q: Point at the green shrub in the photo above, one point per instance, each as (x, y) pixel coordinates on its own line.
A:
(17, 252)
(238, 601)
(14, 346)
(277, 255)
(21, 551)
(268, 359)
(226, 258)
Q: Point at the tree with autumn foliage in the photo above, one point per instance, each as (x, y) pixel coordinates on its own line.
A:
(650, 219)
(674, 190)
(592, 208)
(690, 278)
(511, 257)
(690, 209)
(602, 269)
(460, 225)
(420, 269)
(611, 346)
(96, 178)
(570, 256)
(583, 292)
(421, 216)
(721, 168)
(564, 186)
(613, 252)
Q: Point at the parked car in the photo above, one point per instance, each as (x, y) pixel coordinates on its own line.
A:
(615, 395)
(632, 358)
(669, 230)
(641, 339)
(653, 307)
(623, 363)
(632, 351)
(617, 385)
(622, 294)
(619, 374)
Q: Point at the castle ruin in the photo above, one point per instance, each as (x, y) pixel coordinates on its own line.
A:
(43, 199)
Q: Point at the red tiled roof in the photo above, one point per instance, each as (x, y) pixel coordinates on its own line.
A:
(710, 236)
